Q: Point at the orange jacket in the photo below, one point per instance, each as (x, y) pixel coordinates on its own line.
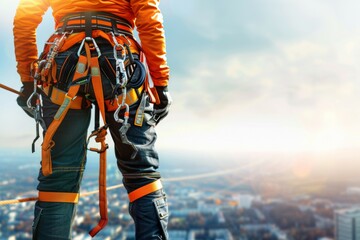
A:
(144, 14)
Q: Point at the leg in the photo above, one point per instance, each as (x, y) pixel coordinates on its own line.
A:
(53, 220)
(150, 212)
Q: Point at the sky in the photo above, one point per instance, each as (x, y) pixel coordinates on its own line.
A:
(247, 77)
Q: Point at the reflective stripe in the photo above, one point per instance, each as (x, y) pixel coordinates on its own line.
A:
(145, 190)
(58, 197)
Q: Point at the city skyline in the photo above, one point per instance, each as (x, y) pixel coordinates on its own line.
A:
(230, 205)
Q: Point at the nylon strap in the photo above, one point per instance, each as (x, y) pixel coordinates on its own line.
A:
(81, 71)
(58, 197)
(57, 96)
(145, 190)
(97, 85)
(100, 136)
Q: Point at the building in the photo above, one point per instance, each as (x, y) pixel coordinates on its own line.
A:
(347, 224)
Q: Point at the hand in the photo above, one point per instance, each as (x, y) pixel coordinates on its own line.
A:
(161, 110)
(27, 89)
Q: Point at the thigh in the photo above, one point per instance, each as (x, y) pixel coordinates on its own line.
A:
(69, 152)
(142, 168)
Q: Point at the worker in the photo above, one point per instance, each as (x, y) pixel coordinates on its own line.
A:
(94, 61)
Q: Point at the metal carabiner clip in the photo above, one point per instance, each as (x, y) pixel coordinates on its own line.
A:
(95, 45)
(126, 114)
(35, 93)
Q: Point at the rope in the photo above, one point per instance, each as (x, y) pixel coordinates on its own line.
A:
(11, 90)
(15, 201)
(85, 194)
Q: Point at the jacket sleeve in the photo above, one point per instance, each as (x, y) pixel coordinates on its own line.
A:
(28, 16)
(149, 24)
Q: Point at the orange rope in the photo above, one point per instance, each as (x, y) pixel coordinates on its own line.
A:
(15, 201)
(85, 194)
(11, 90)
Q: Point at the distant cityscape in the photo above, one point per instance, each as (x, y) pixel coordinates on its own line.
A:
(205, 203)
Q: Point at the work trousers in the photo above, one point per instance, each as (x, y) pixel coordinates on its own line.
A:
(53, 220)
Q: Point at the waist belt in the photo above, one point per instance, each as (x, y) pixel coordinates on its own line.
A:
(88, 21)
(57, 97)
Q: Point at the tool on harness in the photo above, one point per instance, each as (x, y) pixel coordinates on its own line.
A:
(44, 65)
(125, 124)
(123, 131)
(37, 113)
(121, 82)
(131, 57)
(140, 112)
(135, 69)
(40, 72)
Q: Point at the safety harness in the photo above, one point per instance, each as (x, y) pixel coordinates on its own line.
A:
(85, 28)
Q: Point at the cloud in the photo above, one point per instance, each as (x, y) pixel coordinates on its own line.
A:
(256, 75)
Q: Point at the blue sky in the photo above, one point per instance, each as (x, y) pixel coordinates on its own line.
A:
(247, 77)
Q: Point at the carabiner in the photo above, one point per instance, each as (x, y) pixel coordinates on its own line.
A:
(126, 114)
(35, 93)
(95, 45)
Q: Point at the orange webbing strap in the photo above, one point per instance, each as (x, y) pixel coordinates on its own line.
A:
(75, 38)
(58, 197)
(100, 135)
(97, 85)
(81, 71)
(57, 96)
(132, 96)
(145, 190)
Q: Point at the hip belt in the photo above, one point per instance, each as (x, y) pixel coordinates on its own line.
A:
(57, 97)
(104, 21)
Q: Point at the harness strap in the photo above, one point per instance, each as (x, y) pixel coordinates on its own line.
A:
(145, 190)
(96, 20)
(97, 85)
(81, 71)
(58, 197)
(57, 96)
(100, 135)
(75, 38)
(132, 96)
